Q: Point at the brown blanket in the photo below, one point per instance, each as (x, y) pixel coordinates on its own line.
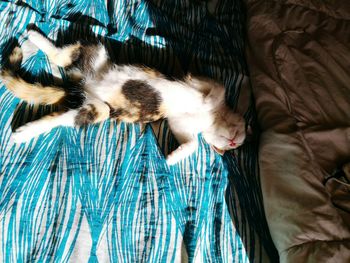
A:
(299, 57)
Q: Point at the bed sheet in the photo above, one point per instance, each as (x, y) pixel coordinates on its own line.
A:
(104, 193)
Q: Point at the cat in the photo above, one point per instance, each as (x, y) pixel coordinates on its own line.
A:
(126, 93)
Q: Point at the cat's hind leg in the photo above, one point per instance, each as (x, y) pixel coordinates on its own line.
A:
(45, 124)
(62, 57)
(93, 111)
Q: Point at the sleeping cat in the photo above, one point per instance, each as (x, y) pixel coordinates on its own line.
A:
(125, 93)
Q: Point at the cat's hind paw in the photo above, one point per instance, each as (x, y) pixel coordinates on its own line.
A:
(23, 134)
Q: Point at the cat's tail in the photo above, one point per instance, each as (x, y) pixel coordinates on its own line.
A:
(32, 93)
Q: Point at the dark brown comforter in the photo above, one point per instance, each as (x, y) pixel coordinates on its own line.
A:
(299, 58)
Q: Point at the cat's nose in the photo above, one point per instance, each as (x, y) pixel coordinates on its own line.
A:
(232, 143)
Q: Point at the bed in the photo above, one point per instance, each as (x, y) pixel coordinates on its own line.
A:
(298, 56)
(104, 193)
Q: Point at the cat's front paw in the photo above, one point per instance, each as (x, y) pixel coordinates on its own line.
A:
(182, 152)
(175, 156)
(23, 134)
(171, 160)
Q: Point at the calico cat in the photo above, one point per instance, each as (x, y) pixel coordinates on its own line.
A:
(126, 93)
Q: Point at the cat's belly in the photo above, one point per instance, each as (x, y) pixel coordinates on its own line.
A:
(179, 99)
(193, 123)
(134, 114)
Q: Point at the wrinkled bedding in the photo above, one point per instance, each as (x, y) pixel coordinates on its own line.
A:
(104, 193)
(299, 59)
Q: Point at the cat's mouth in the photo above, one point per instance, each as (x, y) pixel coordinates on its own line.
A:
(232, 144)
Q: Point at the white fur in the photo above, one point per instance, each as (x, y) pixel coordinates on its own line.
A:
(101, 58)
(43, 125)
(192, 106)
(183, 151)
(59, 56)
(177, 96)
(112, 81)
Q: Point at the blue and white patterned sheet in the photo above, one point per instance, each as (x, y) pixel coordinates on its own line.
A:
(104, 193)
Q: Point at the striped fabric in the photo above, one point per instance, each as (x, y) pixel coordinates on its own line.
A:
(104, 193)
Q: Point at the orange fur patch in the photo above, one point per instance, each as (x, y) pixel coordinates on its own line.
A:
(33, 93)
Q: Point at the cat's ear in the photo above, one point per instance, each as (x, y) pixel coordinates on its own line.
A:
(219, 151)
(249, 134)
(249, 130)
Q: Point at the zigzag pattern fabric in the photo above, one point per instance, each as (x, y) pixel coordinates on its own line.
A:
(104, 193)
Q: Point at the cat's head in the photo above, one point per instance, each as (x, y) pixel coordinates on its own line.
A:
(227, 132)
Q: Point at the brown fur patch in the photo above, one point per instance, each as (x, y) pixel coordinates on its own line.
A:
(15, 58)
(65, 56)
(130, 118)
(115, 113)
(143, 102)
(152, 73)
(125, 114)
(86, 115)
(93, 112)
(76, 51)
